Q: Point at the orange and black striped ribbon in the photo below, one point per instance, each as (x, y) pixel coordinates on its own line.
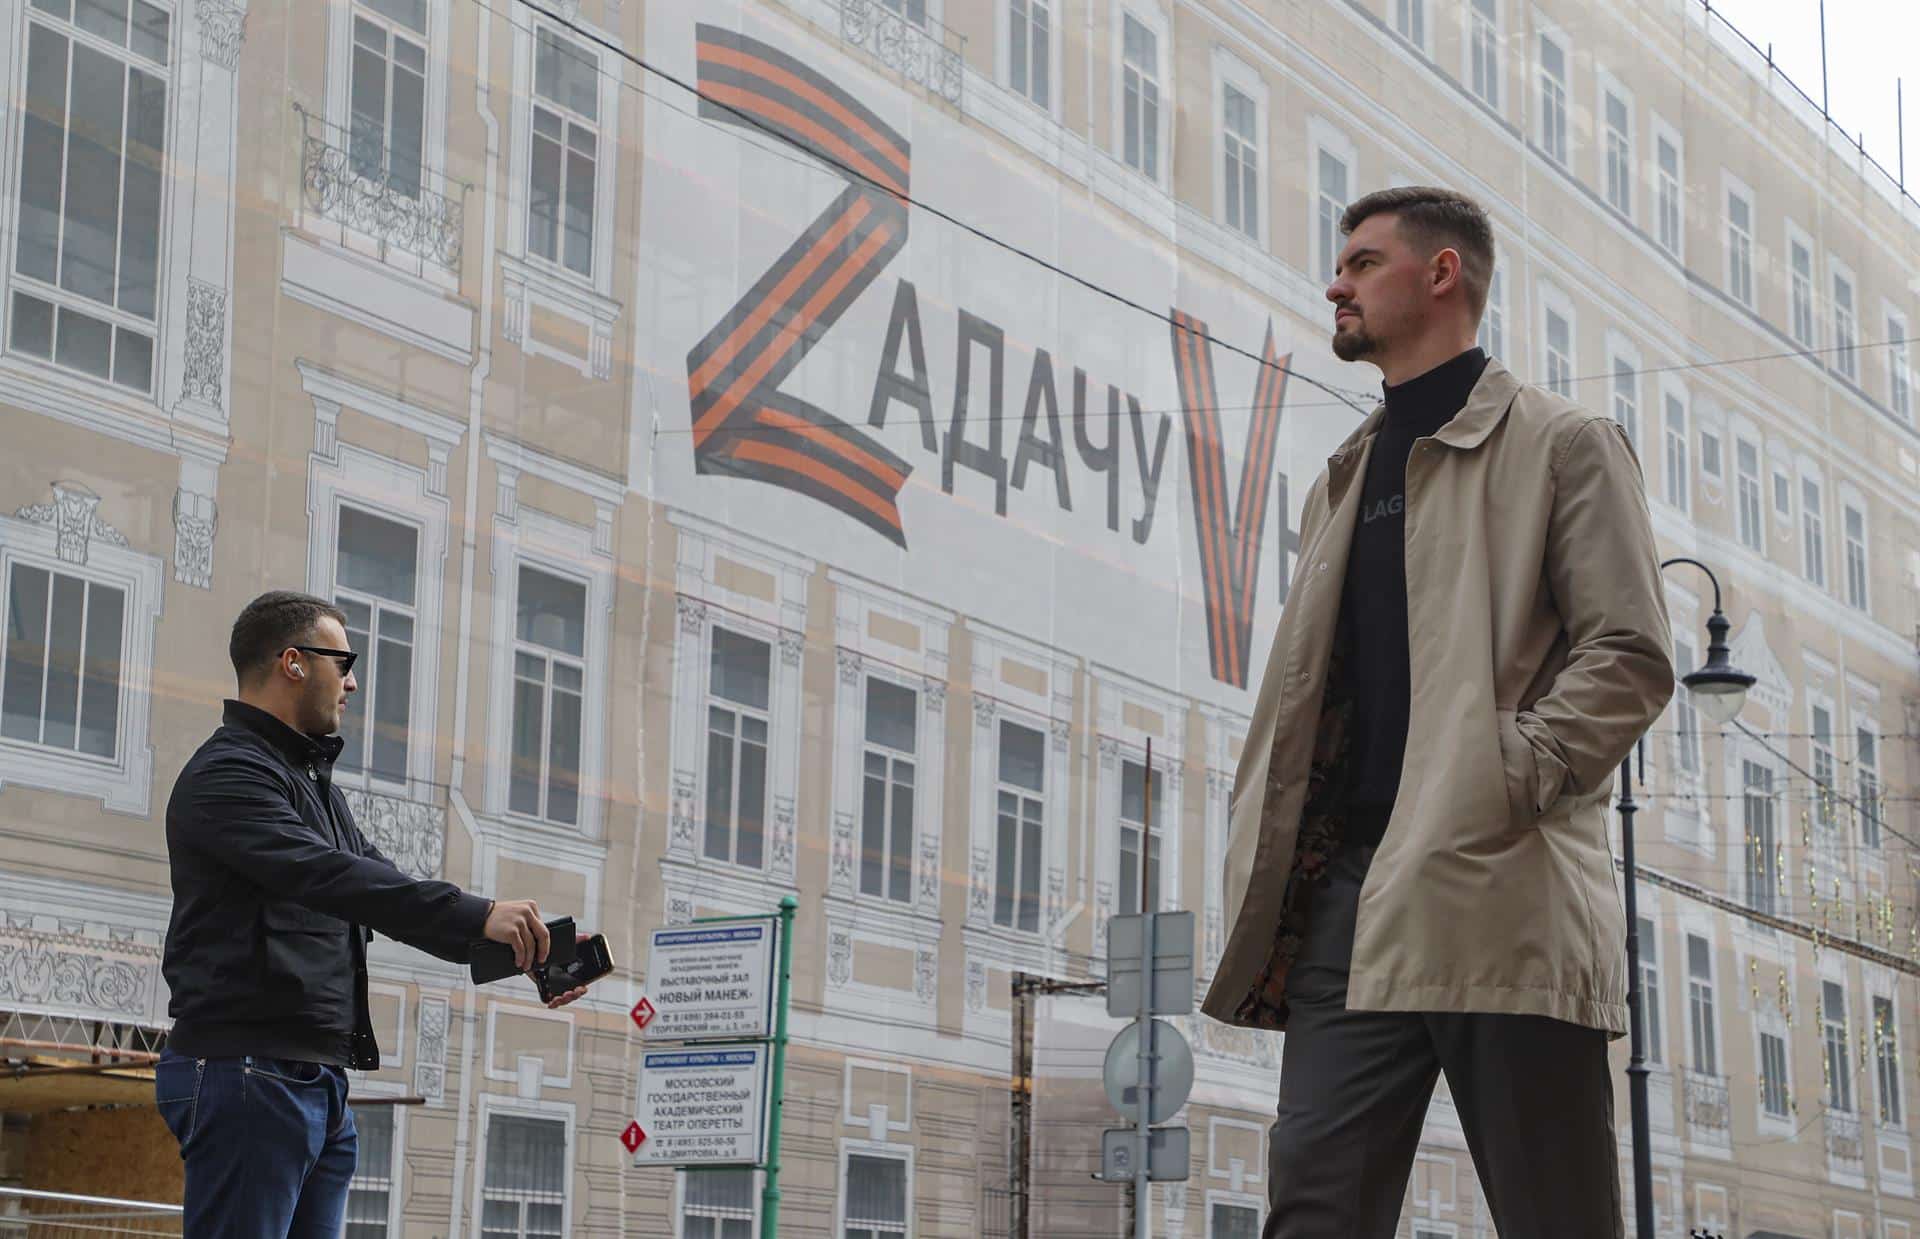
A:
(1230, 532)
(743, 425)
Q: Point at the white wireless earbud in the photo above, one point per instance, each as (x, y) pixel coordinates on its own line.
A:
(299, 672)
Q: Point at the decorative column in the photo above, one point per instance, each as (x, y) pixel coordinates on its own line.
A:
(195, 374)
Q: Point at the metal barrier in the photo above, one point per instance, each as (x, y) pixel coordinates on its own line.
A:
(59, 1215)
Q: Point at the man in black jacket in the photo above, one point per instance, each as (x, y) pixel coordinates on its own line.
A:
(275, 896)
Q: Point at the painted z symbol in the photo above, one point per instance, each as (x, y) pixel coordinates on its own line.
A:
(743, 425)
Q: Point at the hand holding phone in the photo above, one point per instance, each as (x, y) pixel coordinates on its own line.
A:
(591, 961)
(491, 960)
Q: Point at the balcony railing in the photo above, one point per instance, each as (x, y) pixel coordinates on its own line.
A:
(1707, 1109)
(1844, 1142)
(353, 182)
(924, 52)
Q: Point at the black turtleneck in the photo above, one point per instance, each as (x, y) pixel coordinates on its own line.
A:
(1373, 608)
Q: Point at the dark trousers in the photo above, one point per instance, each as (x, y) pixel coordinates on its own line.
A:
(1534, 1095)
(269, 1145)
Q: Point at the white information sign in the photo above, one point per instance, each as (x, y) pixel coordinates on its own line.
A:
(702, 1107)
(711, 981)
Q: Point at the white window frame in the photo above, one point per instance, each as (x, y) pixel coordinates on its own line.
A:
(1823, 812)
(1611, 86)
(1470, 22)
(890, 1150)
(1003, 45)
(1232, 1200)
(1778, 901)
(1689, 766)
(1049, 712)
(565, 550)
(680, 1182)
(1121, 699)
(1555, 301)
(1710, 424)
(1781, 486)
(530, 281)
(1491, 335)
(1846, 330)
(709, 558)
(1545, 32)
(364, 1087)
(1746, 435)
(1866, 724)
(1846, 1044)
(498, 1104)
(1653, 999)
(1899, 361)
(1230, 70)
(1772, 1025)
(1860, 599)
(1732, 187)
(861, 607)
(1621, 350)
(1814, 542)
(184, 99)
(1676, 455)
(124, 784)
(433, 144)
(1049, 827)
(195, 249)
(1325, 137)
(1661, 131)
(745, 630)
(1150, 15)
(398, 492)
(1879, 990)
(1716, 1033)
(1798, 237)
(1412, 13)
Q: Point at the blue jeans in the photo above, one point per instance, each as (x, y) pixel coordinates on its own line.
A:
(269, 1145)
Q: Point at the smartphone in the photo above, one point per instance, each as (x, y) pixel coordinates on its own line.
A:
(590, 962)
(490, 961)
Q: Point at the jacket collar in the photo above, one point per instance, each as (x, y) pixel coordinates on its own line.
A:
(1484, 409)
(296, 747)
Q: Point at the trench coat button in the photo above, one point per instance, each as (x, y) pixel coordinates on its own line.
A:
(1323, 566)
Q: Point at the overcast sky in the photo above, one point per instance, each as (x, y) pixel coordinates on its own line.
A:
(1870, 43)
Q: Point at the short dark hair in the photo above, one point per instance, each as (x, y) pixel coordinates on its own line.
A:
(271, 623)
(1436, 219)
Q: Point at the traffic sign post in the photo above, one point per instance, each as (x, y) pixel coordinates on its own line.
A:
(711, 979)
(702, 1107)
(1169, 1151)
(715, 1098)
(1149, 1066)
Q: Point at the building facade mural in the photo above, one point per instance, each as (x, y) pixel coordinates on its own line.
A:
(855, 449)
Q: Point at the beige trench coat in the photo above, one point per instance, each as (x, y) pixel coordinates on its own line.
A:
(1540, 652)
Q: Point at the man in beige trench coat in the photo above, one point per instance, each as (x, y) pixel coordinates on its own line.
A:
(1419, 877)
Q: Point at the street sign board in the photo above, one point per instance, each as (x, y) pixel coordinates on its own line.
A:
(702, 1107)
(712, 980)
(1171, 1066)
(1169, 1153)
(1172, 963)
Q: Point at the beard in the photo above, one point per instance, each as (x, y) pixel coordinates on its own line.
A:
(1351, 343)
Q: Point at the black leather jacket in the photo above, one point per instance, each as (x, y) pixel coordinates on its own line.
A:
(275, 896)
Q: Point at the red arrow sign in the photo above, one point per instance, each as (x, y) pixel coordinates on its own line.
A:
(634, 1136)
(642, 1012)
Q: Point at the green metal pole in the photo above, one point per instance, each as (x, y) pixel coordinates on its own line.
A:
(770, 1195)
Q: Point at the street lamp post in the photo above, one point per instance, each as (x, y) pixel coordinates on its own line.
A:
(1718, 689)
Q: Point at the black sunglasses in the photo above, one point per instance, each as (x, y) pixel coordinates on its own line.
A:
(346, 658)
